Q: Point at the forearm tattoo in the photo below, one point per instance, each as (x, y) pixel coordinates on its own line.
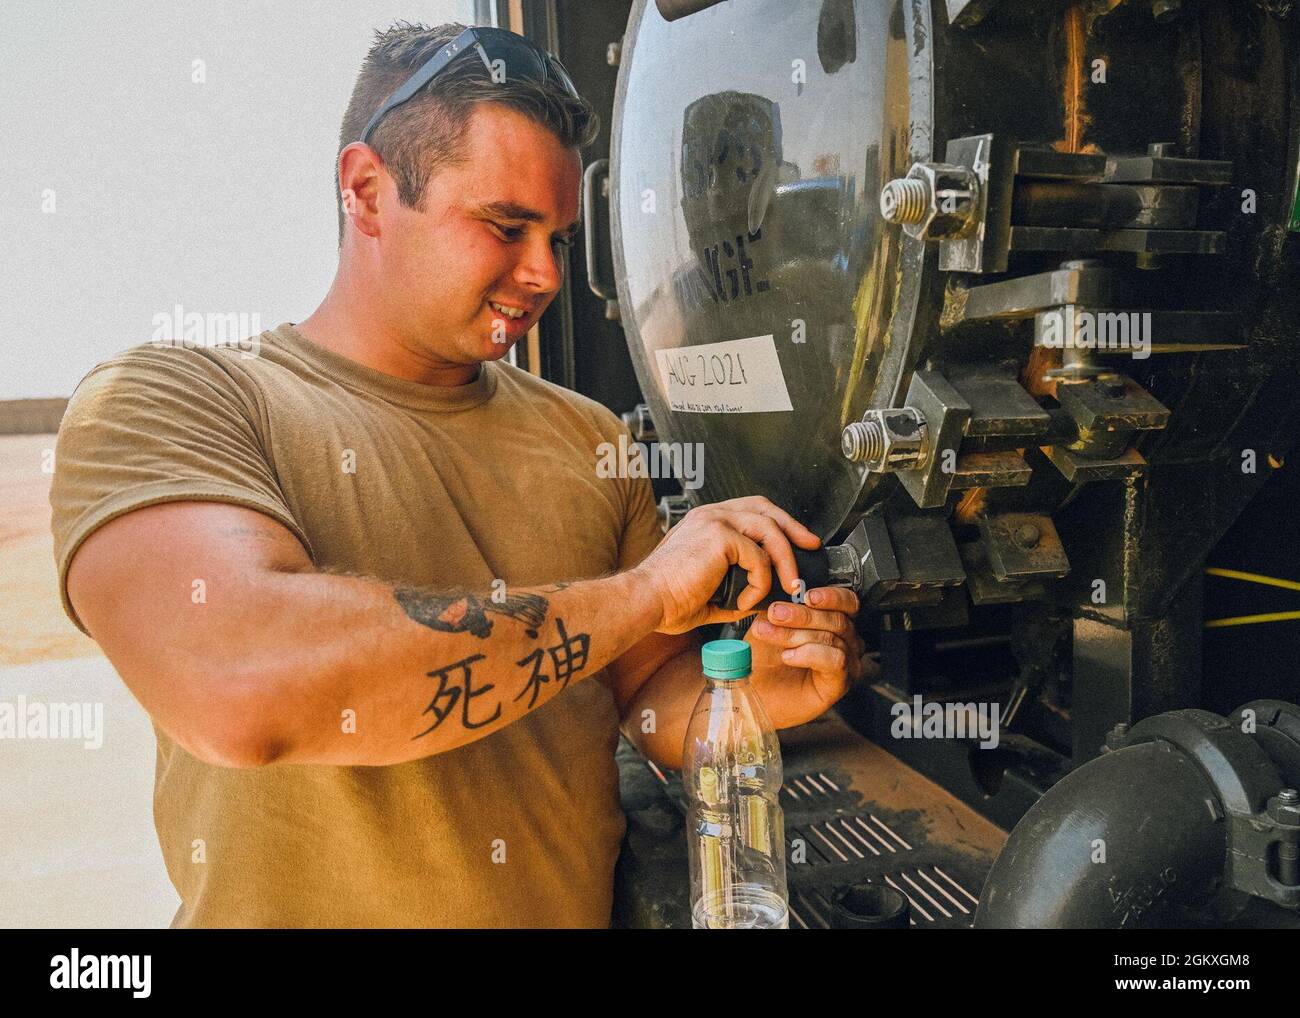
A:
(468, 613)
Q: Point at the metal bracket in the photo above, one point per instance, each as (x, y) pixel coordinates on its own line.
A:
(1025, 296)
(1082, 469)
(985, 588)
(906, 560)
(1107, 410)
(986, 247)
(1023, 546)
(946, 415)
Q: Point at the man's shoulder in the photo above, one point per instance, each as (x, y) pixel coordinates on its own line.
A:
(150, 361)
(160, 382)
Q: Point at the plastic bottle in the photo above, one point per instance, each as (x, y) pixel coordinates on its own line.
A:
(732, 774)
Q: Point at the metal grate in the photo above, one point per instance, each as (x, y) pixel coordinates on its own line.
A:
(847, 837)
(934, 895)
(845, 841)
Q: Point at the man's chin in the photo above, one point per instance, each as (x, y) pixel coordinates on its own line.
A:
(496, 351)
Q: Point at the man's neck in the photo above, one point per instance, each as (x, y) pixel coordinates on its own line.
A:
(368, 340)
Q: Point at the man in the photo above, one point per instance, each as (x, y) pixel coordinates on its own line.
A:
(362, 581)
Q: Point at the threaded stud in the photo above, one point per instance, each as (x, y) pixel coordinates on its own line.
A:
(904, 201)
(863, 441)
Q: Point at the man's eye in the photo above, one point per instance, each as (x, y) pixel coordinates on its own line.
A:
(509, 232)
(566, 241)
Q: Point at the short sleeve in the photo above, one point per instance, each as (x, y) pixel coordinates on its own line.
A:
(641, 530)
(156, 425)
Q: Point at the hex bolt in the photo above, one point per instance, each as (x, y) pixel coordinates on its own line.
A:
(884, 440)
(1115, 737)
(640, 423)
(1028, 535)
(1284, 810)
(671, 509)
(904, 200)
(1288, 852)
(1288, 863)
(935, 201)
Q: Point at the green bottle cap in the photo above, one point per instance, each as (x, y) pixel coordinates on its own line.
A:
(726, 659)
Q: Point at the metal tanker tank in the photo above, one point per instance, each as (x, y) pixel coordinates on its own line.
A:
(1002, 294)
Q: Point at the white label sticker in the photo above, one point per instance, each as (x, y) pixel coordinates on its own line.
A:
(740, 376)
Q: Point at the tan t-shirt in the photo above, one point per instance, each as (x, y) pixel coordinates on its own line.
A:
(450, 487)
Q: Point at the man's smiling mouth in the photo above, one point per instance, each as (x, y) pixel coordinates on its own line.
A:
(507, 310)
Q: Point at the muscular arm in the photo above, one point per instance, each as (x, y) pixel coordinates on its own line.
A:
(668, 694)
(629, 675)
(245, 654)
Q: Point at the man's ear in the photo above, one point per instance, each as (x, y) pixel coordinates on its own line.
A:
(360, 172)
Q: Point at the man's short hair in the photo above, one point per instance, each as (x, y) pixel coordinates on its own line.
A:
(427, 133)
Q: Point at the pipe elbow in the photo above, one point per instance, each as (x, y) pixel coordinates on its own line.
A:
(1124, 841)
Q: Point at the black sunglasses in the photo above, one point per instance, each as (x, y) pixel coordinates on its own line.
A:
(502, 52)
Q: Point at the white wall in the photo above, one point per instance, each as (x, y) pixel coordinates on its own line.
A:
(215, 195)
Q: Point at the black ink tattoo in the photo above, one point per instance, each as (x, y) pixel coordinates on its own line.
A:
(461, 613)
(460, 690)
(530, 609)
(568, 657)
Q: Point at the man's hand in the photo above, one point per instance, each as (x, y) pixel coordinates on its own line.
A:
(690, 563)
(805, 656)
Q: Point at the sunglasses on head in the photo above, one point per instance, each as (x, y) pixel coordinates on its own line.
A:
(505, 55)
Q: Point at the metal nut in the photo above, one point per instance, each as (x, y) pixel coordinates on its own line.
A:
(1116, 738)
(638, 422)
(935, 201)
(1284, 808)
(671, 509)
(1028, 535)
(886, 440)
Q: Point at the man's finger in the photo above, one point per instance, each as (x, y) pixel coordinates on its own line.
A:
(757, 564)
(819, 657)
(779, 636)
(840, 599)
(795, 530)
(763, 529)
(800, 616)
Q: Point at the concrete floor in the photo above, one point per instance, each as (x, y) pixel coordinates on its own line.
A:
(77, 841)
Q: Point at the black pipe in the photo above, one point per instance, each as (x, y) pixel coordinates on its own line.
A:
(1124, 841)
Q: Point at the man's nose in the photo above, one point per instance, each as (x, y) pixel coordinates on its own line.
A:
(539, 268)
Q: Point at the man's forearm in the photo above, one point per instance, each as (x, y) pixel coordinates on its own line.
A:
(356, 671)
(656, 718)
